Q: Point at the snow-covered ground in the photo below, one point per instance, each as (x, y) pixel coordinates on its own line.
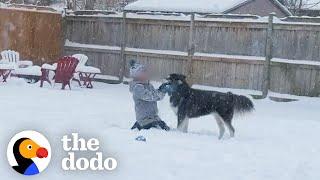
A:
(277, 141)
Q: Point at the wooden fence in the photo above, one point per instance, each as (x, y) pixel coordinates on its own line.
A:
(217, 52)
(36, 35)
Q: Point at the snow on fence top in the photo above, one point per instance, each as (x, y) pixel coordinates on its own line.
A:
(198, 17)
(2, 5)
(188, 6)
(33, 8)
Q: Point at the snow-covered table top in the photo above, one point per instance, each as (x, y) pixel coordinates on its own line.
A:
(49, 66)
(88, 69)
(84, 69)
(6, 67)
(30, 71)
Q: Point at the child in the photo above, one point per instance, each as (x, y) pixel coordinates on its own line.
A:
(145, 98)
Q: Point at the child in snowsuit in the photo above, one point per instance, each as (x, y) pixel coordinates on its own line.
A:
(145, 98)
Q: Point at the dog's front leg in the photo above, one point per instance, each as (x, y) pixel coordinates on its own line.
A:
(183, 122)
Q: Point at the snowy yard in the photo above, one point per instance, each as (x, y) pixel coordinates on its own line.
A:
(277, 141)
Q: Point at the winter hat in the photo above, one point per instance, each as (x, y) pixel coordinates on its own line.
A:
(136, 68)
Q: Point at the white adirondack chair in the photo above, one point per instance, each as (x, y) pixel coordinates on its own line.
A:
(82, 59)
(11, 60)
(82, 65)
(82, 70)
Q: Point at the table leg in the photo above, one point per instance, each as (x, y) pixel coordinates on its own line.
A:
(87, 79)
(89, 85)
(1, 73)
(5, 74)
(82, 78)
(44, 77)
(78, 81)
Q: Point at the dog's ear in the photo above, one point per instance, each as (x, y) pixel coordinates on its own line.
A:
(182, 77)
(172, 77)
(176, 77)
(169, 77)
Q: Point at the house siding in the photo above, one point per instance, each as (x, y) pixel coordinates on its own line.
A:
(259, 7)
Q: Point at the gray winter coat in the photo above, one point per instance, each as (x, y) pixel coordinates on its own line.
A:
(145, 98)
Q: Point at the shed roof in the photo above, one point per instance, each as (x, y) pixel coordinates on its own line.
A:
(197, 6)
(187, 6)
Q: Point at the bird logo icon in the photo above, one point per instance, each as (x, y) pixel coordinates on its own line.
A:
(29, 152)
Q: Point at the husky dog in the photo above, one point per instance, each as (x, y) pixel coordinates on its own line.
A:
(191, 103)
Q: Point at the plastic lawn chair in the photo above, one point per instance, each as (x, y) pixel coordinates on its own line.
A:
(64, 71)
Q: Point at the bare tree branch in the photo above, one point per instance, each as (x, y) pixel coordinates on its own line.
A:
(296, 6)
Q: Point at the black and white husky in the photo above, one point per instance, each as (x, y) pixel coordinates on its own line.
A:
(191, 103)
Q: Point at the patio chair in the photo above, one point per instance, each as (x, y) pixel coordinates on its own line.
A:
(13, 58)
(82, 59)
(64, 71)
(10, 63)
(82, 62)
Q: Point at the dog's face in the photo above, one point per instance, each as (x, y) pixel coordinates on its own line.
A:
(174, 81)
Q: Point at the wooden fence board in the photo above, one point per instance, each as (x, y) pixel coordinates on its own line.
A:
(291, 41)
(162, 44)
(36, 35)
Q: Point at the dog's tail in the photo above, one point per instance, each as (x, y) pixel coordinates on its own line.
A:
(242, 104)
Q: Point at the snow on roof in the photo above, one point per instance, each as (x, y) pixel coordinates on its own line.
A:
(200, 6)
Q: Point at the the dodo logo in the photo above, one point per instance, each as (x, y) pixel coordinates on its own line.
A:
(29, 152)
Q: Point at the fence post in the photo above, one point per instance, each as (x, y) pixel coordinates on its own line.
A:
(267, 63)
(191, 49)
(123, 47)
